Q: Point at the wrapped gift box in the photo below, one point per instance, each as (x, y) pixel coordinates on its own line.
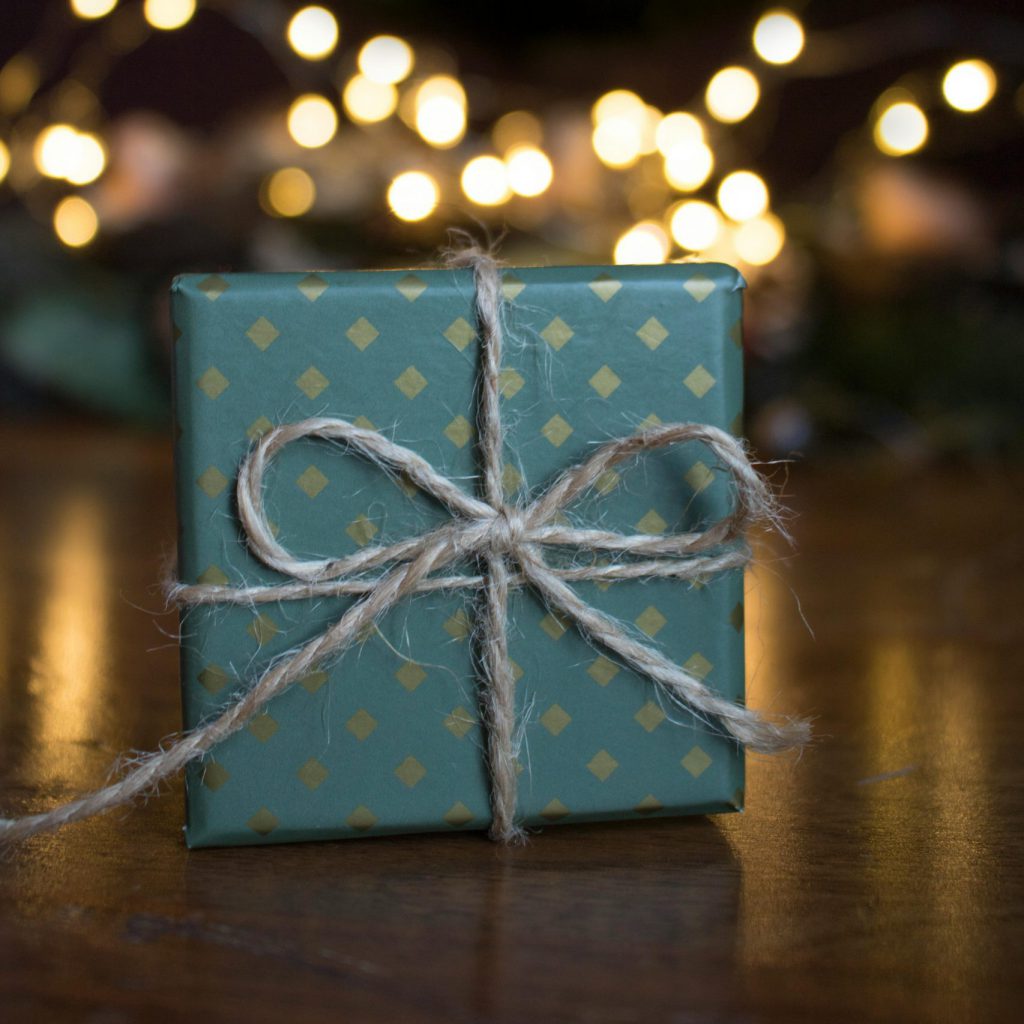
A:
(387, 739)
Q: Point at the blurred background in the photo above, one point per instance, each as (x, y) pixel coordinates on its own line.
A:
(859, 162)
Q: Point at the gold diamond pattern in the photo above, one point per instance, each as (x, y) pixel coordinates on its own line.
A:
(313, 681)
(607, 482)
(263, 822)
(700, 382)
(605, 381)
(213, 383)
(214, 678)
(213, 574)
(212, 481)
(557, 333)
(698, 476)
(262, 629)
(736, 617)
(312, 382)
(215, 775)
(411, 287)
(653, 420)
(605, 287)
(312, 773)
(700, 286)
(410, 771)
(650, 716)
(263, 727)
(556, 430)
(361, 724)
(362, 530)
(410, 675)
(510, 382)
(651, 523)
(312, 286)
(362, 421)
(696, 762)
(736, 334)
(601, 765)
(554, 625)
(362, 334)
(459, 431)
(263, 334)
(213, 287)
(649, 805)
(650, 620)
(511, 286)
(602, 670)
(459, 722)
(555, 811)
(362, 819)
(458, 815)
(410, 382)
(511, 478)
(258, 428)
(555, 719)
(699, 666)
(458, 626)
(311, 481)
(653, 333)
(460, 333)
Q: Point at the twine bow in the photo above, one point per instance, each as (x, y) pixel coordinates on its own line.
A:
(506, 541)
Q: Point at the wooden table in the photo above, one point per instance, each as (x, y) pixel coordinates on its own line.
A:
(878, 877)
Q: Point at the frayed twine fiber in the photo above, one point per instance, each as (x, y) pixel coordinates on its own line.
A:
(506, 541)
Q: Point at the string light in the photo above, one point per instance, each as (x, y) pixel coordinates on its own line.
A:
(441, 111)
(485, 181)
(289, 192)
(968, 85)
(62, 151)
(732, 94)
(312, 121)
(743, 195)
(759, 240)
(413, 195)
(902, 128)
(645, 242)
(695, 224)
(75, 222)
(676, 128)
(779, 37)
(313, 33)
(688, 165)
(517, 127)
(168, 14)
(617, 142)
(90, 9)
(88, 161)
(5, 160)
(386, 60)
(368, 102)
(529, 170)
(619, 103)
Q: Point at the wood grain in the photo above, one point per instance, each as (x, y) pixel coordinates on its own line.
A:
(876, 878)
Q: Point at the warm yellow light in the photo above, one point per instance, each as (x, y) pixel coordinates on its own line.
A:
(617, 141)
(759, 240)
(168, 14)
(312, 121)
(386, 60)
(529, 170)
(732, 94)
(413, 195)
(645, 242)
(485, 181)
(289, 192)
(441, 111)
(55, 150)
(619, 103)
(515, 128)
(688, 165)
(779, 37)
(313, 33)
(743, 195)
(676, 128)
(368, 102)
(92, 8)
(87, 161)
(5, 160)
(695, 224)
(969, 85)
(902, 128)
(75, 222)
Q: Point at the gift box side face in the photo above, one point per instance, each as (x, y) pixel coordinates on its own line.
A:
(387, 739)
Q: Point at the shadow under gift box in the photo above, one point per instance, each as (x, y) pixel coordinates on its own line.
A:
(387, 739)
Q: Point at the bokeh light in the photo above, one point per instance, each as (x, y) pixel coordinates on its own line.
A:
(517, 127)
(968, 85)
(688, 165)
(617, 141)
(529, 170)
(743, 195)
(312, 121)
(645, 242)
(313, 33)
(368, 102)
(386, 60)
(778, 37)
(902, 128)
(676, 128)
(485, 181)
(92, 8)
(441, 111)
(289, 192)
(619, 103)
(88, 160)
(5, 160)
(732, 94)
(75, 222)
(759, 240)
(413, 195)
(169, 14)
(695, 224)
(62, 151)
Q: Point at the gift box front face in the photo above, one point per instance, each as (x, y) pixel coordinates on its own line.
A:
(387, 738)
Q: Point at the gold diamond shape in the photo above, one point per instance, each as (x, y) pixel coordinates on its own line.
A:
(602, 671)
(511, 479)
(361, 724)
(213, 287)
(410, 771)
(555, 810)
(362, 819)
(556, 430)
(458, 815)
(736, 617)
(362, 334)
(459, 431)
(215, 575)
(700, 286)
(736, 334)
(263, 727)
(212, 481)
(263, 334)
(460, 333)
(459, 722)
(215, 775)
(214, 678)
(698, 666)
(648, 805)
(557, 333)
(311, 481)
(510, 382)
(312, 286)
(605, 287)
(362, 421)
(258, 428)
(554, 625)
(312, 681)
(312, 382)
(653, 420)
(650, 620)
(410, 287)
(698, 476)
(262, 628)
(555, 719)
(511, 286)
(650, 716)
(458, 626)
(651, 523)
(700, 382)
(736, 426)
(653, 333)
(696, 762)
(410, 675)
(605, 381)
(517, 670)
(263, 822)
(607, 482)
(213, 383)
(312, 773)
(602, 764)
(410, 382)
(362, 530)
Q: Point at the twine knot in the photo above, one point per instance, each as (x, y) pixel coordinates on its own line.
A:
(506, 531)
